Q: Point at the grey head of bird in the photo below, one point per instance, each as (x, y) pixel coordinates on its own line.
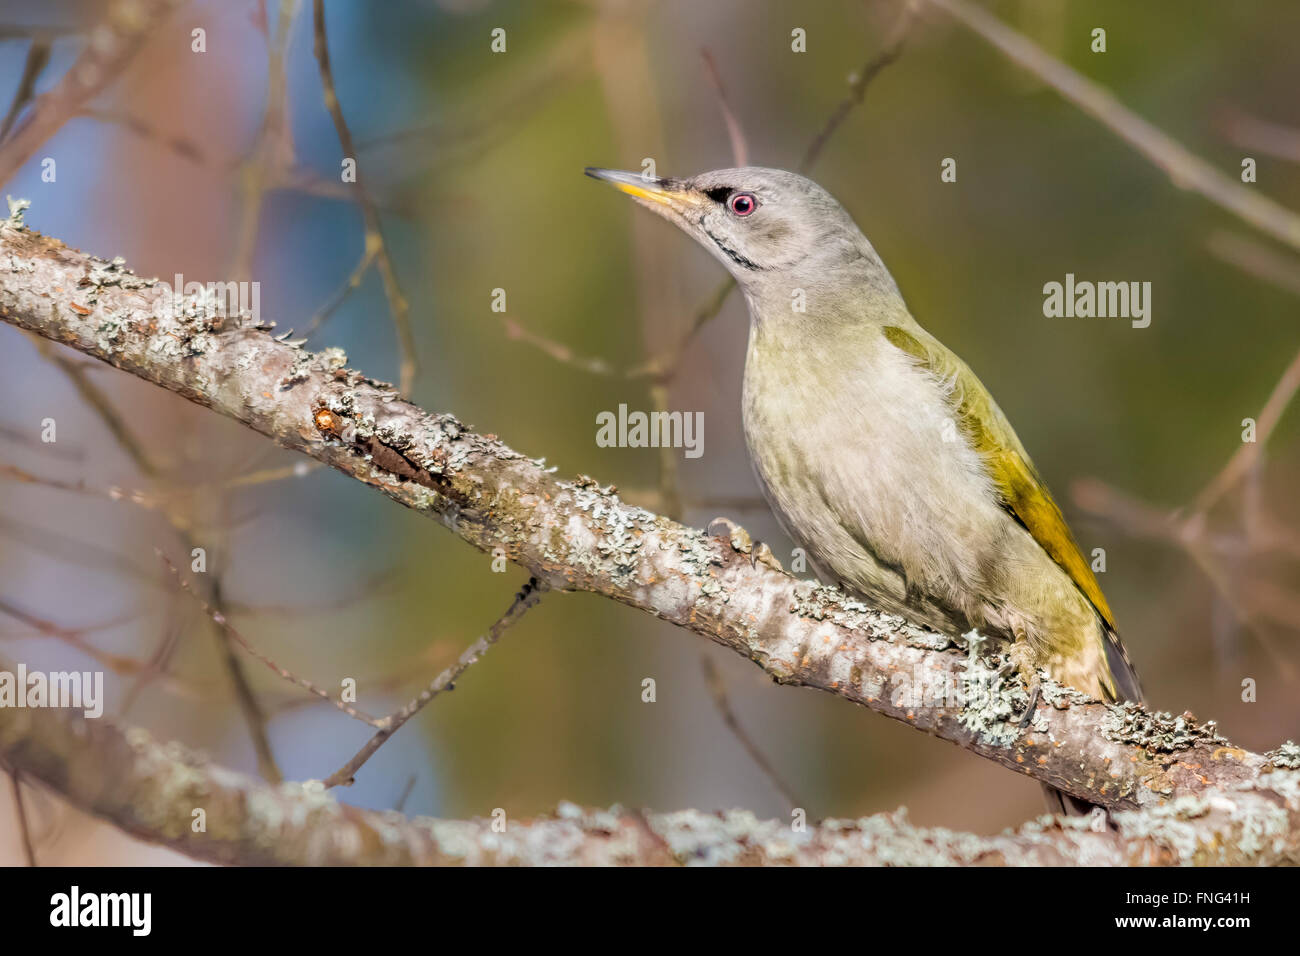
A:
(769, 227)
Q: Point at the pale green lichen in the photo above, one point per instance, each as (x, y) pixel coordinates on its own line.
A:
(16, 209)
(993, 699)
(1210, 829)
(609, 540)
(247, 358)
(697, 839)
(299, 371)
(823, 602)
(107, 333)
(1157, 731)
(1285, 757)
(111, 272)
(1061, 696)
(332, 359)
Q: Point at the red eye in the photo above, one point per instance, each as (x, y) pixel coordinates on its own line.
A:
(742, 204)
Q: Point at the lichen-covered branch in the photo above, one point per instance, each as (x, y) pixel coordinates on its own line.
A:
(575, 535)
(169, 795)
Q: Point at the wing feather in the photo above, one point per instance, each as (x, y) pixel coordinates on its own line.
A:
(1022, 490)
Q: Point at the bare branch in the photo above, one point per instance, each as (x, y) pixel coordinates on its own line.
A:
(1250, 132)
(1184, 169)
(117, 40)
(114, 493)
(374, 247)
(103, 407)
(1245, 457)
(38, 55)
(117, 663)
(739, 148)
(24, 825)
(527, 598)
(859, 82)
(722, 701)
(221, 621)
(145, 128)
(1256, 259)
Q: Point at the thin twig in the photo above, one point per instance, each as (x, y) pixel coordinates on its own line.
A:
(98, 400)
(890, 52)
(1137, 519)
(1256, 259)
(516, 332)
(482, 123)
(1263, 136)
(220, 620)
(132, 495)
(350, 285)
(1249, 452)
(117, 39)
(375, 247)
(273, 151)
(739, 148)
(1184, 169)
(374, 586)
(145, 128)
(38, 56)
(527, 598)
(718, 691)
(24, 825)
(402, 797)
(27, 438)
(117, 663)
(254, 719)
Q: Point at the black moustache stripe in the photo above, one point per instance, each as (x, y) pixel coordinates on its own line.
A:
(732, 254)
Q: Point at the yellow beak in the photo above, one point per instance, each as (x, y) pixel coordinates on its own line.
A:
(647, 189)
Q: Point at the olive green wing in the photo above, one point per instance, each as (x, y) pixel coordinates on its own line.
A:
(1022, 491)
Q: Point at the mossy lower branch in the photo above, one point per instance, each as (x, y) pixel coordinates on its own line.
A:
(169, 795)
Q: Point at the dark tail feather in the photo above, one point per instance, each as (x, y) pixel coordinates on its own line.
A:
(1127, 687)
(1122, 670)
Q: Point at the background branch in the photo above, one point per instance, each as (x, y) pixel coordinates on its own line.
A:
(117, 40)
(1185, 169)
(154, 791)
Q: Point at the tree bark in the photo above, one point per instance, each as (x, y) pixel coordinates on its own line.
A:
(169, 795)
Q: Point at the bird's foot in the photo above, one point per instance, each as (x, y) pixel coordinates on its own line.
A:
(742, 543)
(1022, 659)
(1035, 694)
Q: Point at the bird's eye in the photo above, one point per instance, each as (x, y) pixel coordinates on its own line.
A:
(742, 204)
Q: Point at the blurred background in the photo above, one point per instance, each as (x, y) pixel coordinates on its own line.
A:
(474, 161)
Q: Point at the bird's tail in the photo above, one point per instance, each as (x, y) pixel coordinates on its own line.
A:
(1122, 671)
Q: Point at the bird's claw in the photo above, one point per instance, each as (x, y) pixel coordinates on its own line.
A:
(1022, 658)
(762, 554)
(742, 543)
(734, 534)
(1035, 693)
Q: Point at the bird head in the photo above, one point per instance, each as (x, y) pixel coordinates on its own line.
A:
(758, 222)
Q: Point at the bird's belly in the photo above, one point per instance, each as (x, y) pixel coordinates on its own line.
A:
(868, 473)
